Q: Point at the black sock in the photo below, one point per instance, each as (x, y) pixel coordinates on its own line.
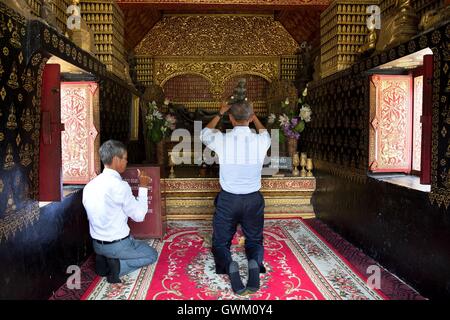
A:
(235, 278)
(253, 276)
(114, 267)
(101, 265)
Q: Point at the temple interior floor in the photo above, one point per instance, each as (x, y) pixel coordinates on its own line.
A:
(305, 260)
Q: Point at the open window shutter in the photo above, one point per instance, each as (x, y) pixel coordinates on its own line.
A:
(417, 119)
(50, 183)
(79, 102)
(391, 124)
(425, 167)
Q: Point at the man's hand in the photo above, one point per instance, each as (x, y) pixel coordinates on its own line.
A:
(224, 107)
(144, 180)
(258, 124)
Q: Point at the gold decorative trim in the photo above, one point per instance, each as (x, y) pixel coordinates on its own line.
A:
(272, 185)
(208, 201)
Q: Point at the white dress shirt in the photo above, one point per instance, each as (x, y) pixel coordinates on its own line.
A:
(241, 154)
(109, 202)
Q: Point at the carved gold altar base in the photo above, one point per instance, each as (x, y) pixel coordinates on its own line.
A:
(193, 198)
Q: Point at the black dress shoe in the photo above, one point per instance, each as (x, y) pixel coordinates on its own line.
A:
(114, 270)
(253, 276)
(101, 266)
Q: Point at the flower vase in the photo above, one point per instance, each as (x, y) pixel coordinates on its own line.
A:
(292, 146)
(160, 153)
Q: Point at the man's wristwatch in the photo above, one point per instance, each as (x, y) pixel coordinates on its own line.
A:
(220, 114)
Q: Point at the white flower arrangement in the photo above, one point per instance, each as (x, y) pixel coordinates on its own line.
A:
(293, 119)
(158, 125)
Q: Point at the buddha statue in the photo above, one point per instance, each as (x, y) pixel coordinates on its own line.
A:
(369, 47)
(239, 93)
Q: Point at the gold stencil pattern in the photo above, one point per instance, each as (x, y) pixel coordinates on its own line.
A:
(217, 35)
(15, 221)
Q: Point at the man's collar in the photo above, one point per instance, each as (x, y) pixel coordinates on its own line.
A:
(112, 172)
(244, 128)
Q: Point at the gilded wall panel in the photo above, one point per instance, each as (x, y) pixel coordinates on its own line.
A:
(217, 35)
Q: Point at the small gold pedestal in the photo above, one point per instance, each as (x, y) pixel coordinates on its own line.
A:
(171, 164)
(295, 163)
(309, 166)
(303, 164)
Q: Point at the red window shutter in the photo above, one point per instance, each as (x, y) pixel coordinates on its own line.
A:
(50, 183)
(391, 124)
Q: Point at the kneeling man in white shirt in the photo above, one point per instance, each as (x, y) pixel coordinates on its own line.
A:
(241, 154)
(109, 203)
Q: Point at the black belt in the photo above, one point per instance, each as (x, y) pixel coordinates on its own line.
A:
(109, 242)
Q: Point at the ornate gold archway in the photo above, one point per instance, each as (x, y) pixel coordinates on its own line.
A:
(216, 71)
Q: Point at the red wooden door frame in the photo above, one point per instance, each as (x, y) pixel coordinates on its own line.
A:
(50, 162)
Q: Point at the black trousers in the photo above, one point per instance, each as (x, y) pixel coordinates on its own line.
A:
(231, 210)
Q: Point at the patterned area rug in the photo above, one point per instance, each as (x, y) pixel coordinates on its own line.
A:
(300, 266)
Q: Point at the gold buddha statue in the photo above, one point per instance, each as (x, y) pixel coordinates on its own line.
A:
(370, 45)
(8, 163)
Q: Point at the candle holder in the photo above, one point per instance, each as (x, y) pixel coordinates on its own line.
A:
(171, 164)
(303, 164)
(309, 166)
(295, 163)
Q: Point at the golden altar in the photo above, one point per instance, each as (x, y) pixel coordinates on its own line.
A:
(190, 196)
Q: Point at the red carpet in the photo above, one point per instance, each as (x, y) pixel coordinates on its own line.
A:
(300, 266)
